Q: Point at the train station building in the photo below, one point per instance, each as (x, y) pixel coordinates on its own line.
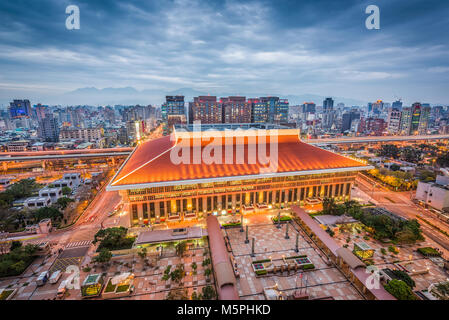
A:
(227, 169)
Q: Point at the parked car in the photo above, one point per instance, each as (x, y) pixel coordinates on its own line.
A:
(42, 279)
(55, 277)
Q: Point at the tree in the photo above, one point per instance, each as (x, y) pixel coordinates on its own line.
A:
(48, 212)
(181, 248)
(15, 245)
(443, 160)
(63, 202)
(177, 294)
(113, 238)
(143, 253)
(104, 256)
(401, 275)
(208, 293)
(66, 191)
(410, 154)
(400, 290)
(389, 150)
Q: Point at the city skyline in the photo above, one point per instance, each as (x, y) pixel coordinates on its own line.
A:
(276, 48)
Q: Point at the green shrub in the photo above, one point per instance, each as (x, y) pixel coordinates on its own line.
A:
(261, 272)
(308, 266)
(400, 290)
(401, 275)
(429, 251)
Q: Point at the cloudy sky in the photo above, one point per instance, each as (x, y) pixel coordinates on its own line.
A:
(284, 47)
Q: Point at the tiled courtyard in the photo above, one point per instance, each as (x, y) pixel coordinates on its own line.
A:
(270, 242)
(407, 256)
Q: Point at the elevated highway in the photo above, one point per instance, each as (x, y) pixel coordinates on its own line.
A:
(376, 139)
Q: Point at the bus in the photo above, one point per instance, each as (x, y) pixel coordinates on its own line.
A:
(42, 279)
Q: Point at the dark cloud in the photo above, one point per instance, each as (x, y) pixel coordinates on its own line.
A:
(280, 46)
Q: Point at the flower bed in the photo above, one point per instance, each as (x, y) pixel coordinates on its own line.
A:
(301, 261)
(262, 267)
(231, 224)
(7, 294)
(116, 290)
(429, 252)
(283, 219)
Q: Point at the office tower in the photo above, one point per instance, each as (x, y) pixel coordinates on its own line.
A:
(328, 105)
(424, 119)
(205, 109)
(40, 111)
(48, 129)
(377, 107)
(236, 110)
(394, 120)
(397, 105)
(269, 110)
(308, 107)
(19, 109)
(173, 112)
(415, 119)
(374, 126)
(348, 118)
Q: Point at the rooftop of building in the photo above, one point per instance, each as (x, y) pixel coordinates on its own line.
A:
(189, 157)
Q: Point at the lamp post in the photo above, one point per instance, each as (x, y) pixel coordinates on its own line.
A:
(247, 240)
(252, 248)
(279, 220)
(241, 223)
(297, 240)
(286, 231)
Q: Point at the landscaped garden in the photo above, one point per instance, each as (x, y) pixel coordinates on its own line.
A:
(17, 260)
(400, 290)
(429, 252)
(284, 218)
(380, 226)
(6, 294)
(113, 239)
(264, 266)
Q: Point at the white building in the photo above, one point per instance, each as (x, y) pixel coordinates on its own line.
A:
(74, 177)
(37, 202)
(53, 193)
(435, 194)
(61, 183)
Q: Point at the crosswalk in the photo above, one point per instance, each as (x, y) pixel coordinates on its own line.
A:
(84, 243)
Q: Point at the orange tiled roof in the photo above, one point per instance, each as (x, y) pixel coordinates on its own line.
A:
(151, 162)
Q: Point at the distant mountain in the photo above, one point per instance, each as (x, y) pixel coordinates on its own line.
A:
(132, 96)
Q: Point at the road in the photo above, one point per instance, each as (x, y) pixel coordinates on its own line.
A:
(401, 204)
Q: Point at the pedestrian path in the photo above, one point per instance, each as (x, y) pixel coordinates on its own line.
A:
(84, 243)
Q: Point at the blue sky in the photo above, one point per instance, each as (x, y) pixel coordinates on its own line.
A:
(284, 47)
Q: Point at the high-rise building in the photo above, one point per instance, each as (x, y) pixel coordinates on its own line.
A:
(372, 126)
(236, 110)
(415, 119)
(20, 108)
(205, 109)
(49, 129)
(328, 105)
(40, 111)
(394, 120)
(397, 105)
(308, 107)
(269, 110)
(173, 112)
(348, 118)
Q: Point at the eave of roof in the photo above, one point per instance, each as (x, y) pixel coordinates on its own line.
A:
(150, 164)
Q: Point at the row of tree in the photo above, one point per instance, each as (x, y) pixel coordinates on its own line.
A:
(381, 226)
